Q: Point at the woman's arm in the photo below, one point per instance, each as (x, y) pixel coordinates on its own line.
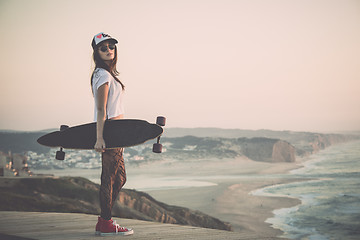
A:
(101, 100)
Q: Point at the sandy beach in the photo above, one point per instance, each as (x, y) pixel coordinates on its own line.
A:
(230, 199)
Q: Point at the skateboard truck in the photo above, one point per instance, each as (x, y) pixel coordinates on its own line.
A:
(60, 155)
(157, 147)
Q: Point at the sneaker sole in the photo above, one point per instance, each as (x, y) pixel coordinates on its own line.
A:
(118, 233)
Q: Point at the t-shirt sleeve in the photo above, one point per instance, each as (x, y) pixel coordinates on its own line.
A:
(100, 78)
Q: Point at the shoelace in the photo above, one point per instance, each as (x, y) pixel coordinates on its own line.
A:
(117, 227)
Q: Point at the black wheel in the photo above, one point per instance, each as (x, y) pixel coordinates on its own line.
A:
(161, 121)
(63, 127)
(157, 148)
(60, 155)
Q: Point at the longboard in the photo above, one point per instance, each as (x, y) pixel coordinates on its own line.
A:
(117, 134)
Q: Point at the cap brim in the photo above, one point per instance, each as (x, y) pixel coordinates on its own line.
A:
(109, 39)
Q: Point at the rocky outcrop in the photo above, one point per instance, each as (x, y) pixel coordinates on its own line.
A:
(322, 141)
(133, 203)
(267, 149)
(283, 152)
(75, 194)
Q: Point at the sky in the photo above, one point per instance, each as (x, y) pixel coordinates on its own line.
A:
(246, 64)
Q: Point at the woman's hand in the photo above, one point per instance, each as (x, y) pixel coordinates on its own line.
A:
(100, 145)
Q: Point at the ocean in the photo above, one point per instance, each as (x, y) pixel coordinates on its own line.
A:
(330, 207)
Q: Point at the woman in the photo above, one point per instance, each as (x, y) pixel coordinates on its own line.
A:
(108, 93)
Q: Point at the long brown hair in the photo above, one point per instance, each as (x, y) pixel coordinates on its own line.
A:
(111, 68)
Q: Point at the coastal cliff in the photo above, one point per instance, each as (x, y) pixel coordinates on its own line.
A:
(261, 145)
(79, 195)
(268, 150)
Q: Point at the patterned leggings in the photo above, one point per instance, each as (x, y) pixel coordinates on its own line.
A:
(113, 178)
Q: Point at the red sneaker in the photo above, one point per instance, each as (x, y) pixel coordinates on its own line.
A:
(97, 227)
(109, 227)
(98, 224)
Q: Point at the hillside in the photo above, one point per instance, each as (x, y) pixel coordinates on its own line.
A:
(79, 195)
(20, 142)
(258, 149)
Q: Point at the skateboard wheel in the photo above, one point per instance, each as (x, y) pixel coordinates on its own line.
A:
(63, 127)
(60, 155)
(157, 148)
(161, 121)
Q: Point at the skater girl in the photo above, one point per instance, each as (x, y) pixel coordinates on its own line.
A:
(108, 93)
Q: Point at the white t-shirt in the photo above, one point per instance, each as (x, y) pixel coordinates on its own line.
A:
(115, 103)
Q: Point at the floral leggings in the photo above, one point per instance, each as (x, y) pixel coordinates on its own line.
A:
(113, 178)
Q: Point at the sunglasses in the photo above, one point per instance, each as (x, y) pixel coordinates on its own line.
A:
(104, 48)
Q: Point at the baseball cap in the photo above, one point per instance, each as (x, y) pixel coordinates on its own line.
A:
(100, 37)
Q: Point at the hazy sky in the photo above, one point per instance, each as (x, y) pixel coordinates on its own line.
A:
(255, 64)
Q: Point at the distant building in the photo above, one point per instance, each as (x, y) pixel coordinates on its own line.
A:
(13, 165)
(3, 163)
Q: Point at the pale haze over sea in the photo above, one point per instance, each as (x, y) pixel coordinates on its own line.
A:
(279, 64)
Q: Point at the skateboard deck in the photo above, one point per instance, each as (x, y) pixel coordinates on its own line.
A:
(117, 134)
